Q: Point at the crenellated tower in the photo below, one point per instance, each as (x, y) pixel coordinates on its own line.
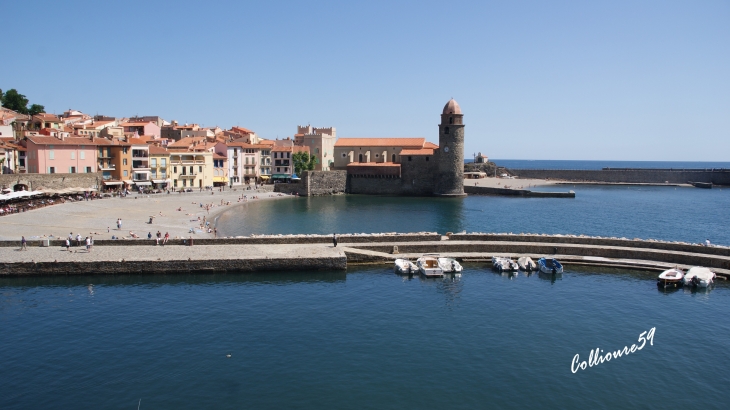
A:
(450, 158)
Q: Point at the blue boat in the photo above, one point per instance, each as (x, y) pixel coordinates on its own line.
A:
(549, 265)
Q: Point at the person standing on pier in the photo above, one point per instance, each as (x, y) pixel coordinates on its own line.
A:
(68, 244)
(23, 244)
(334, 239)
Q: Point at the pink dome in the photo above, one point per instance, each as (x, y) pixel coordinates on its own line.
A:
(452, 107)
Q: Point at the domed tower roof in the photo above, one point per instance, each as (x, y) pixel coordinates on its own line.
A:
(452, 107)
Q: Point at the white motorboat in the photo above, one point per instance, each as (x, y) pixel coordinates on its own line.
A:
(699, 277)
(670, 278)
(404, 266)
(502, 264)
(429, 266)
(450, 265)
(526, 264)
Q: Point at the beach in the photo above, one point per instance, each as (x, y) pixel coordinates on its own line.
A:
(174, 213)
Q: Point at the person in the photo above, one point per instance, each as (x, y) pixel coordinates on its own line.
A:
(215, 232)
(88, 244)
(68, 244)
(78, 239)
(149, 235)
(159, 236)
(334, 239)
(23, 244)
(119, 223)
(167, 237)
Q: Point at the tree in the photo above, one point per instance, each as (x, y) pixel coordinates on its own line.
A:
(36, 109)
(303, 162)
(15, 101)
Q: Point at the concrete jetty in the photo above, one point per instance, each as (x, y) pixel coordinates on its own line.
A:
(316, 252)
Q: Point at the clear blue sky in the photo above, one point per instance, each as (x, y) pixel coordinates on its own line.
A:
(620, 80)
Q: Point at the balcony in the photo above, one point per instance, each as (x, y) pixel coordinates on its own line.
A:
(107, 167)
(140, 154)
(193, 175)
(281, 163)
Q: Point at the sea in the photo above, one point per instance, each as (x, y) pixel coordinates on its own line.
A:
(593, 165)
(368, 338)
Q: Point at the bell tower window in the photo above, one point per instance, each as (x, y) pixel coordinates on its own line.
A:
(446, 130)
(451, 120)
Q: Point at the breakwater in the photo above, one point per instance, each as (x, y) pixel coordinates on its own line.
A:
(482, 190)
(630, 175)
(316, 252)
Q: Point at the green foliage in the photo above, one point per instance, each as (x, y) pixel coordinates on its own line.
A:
(15, 101)
(303, 162)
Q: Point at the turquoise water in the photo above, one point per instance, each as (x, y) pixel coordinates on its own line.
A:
(362, 339)
(667, 213)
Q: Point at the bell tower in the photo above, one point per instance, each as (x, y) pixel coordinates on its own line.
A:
(450, 158)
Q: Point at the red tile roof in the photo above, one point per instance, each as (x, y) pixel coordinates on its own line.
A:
(43, 140)
(381, 142)
(155, 150)
(423, 151)
(373, 164)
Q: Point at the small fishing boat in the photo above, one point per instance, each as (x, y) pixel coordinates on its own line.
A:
(429, 266)
(698, 277)
(503, 264)
(450, 265)
(549, 265)
(526, 263)
(404, 266)
(670, 278)
(705, 185)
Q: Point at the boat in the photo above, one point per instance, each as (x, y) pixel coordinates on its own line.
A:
(503, 264)
(429, 266)
(526, 263)
(699, 277)
(705, 185)
(549, 265)
(450, 265)
(670, 278)
(404, 266)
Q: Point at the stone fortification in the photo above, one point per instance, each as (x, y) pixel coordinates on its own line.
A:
(316, 183)
(652, 176)
(417, 179)
(51, 181)
(483, 190)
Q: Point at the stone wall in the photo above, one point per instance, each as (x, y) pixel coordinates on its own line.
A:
(482, 190)
(51, 181)
(654, 176)
(316, 183)
(417, 179)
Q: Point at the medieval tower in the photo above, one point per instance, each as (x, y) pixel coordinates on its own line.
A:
(450, 158)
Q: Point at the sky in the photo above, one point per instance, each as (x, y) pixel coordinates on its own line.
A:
(590, 80)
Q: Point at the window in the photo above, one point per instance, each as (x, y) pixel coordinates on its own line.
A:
(51, 170)
(426, 158)
(153, 162)
(377, 155)
(88, 170)
(344, 155)
(51, 154)
(316, 150)
(446, 130)
(174, 183)
(200, 168)
(174, 170)
(71, 170)
(163, 162)
(124, 161)
(126, 173)
(360, 158)
(73, 154)
(191, 170)
(451, 120)
(82, 153)
(393, 158)
(125, 150)
(410, 158)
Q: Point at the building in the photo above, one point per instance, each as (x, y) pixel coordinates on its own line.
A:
(265, 159)
(242, 160)
(141, 171)
(115, 163)
(150, 118)
(159, 160)
(321, 143)
(480, 159)
(142, 128)
(407, 166)
(43, 120)
(191, 169)
(220, 170)
(60, 154)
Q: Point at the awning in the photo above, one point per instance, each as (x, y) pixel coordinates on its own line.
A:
(128, 181)
(281, 176)
(160, 181)
(112, 182)
(143, 183)
(265, 177)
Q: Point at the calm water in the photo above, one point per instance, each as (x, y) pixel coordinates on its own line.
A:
(668, 213)
(365, 339)
(581, 164)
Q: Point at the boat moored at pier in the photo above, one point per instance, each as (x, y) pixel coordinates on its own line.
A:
(699, 277)
(670, 278)
(429, 266)
(450, 265)
(549, 265)
(404, 266)
(526, 264)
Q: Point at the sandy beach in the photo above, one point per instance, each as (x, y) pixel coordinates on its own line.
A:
(174, 213)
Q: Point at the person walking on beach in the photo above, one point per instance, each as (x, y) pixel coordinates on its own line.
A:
(119, 223)
(23, 244)
(88, 244)
(334, 239)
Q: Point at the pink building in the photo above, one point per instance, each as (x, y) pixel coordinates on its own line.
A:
(142, 128)
(60, 155)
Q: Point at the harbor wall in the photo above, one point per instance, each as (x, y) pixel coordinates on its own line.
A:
(315, 183)
(51, 181)
(482, 190)
(652, 176)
